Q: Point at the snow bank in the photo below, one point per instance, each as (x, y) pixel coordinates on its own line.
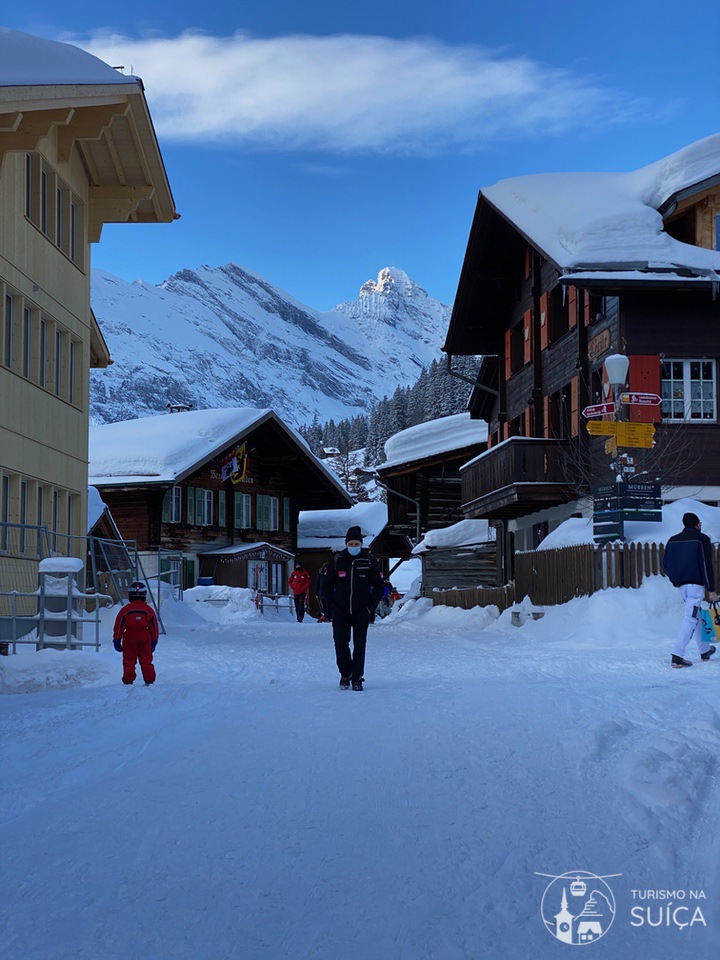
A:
(611, 219)
(461, 534)
(33, 671)
(436, 436)
(579, 530)
(222, 604)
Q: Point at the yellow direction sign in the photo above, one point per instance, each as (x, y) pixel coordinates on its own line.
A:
(611, 446)
(625, 434)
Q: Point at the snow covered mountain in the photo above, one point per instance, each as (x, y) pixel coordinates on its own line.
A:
(224, 336)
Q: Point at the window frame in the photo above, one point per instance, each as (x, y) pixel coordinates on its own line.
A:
(687, 398)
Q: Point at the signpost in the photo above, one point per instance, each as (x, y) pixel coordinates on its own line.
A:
(641, 399)
(626, 434)
(599, 410)
(616, 503)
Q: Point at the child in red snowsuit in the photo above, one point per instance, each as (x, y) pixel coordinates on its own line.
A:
(135, 635)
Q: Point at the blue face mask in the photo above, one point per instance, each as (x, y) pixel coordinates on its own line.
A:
(354, 551)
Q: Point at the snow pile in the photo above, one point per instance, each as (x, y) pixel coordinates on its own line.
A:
(319, 529)
(461, 534)
(221, 604)
(30, 671)
(611, 219)
(434, 437)
(406, 574)
(579, 530)
(33, 61)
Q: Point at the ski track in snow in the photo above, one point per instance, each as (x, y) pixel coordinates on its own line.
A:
(245, 807)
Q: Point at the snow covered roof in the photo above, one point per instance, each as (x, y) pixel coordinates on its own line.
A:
(579, 530)
(434, 437)
(326, 529)
(169, 447)
(33, 61)
(462, 534)
(236, 549)
(611, 220)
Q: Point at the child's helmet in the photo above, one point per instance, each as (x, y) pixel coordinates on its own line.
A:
(137, 591)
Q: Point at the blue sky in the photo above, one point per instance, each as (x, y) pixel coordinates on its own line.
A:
(317, 143)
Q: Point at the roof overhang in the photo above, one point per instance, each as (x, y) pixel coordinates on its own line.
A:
(110, 126)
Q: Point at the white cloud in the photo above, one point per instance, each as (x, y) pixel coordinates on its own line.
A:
(349, 93)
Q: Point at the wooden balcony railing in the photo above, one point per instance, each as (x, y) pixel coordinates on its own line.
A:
(518, 476)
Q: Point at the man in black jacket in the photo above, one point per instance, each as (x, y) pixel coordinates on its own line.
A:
(689, 566)
(354, 588)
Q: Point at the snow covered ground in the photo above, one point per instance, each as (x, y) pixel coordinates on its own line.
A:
(245, 807)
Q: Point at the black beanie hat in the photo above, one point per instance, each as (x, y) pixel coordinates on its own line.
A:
(691, 520)
(354, 533)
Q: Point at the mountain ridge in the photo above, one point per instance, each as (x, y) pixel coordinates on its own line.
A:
(225, 336)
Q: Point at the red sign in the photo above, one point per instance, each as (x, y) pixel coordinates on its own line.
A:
(599, 410)
(641, 399)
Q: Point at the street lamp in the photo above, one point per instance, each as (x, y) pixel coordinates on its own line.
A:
(616, 367)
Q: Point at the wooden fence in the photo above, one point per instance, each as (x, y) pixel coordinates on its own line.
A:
(467, 597)
(551, 577)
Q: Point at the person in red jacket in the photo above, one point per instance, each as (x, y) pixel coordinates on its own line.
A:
(299, 583)
(135, 635)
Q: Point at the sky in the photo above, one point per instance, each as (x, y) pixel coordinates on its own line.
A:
(317, 143)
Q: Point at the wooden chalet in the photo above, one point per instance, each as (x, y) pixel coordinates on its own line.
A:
(560, 272)
(422, 473)
(221, 488)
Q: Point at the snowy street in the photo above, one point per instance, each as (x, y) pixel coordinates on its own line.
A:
(246, 807)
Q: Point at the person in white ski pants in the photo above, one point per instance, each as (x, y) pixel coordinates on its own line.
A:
(693, 594)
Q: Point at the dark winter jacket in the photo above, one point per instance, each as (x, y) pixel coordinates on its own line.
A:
(688, 559)
(322, 587)
(136, 621)
(355, 583)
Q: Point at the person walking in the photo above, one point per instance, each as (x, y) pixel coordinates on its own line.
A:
(321, 592)
(689, 566)
(135, 635)
(299, 583)
(355, 586)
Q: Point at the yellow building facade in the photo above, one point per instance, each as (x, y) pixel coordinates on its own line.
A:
(77, 150)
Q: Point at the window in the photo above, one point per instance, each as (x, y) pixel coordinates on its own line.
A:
(40, 505)
(286, 514)
(172, 506)
(43, 353)
(56, 513)
(8, 354)
(203, 508)
(4, 511)
(59, 218)
(28, 185)
(44, 201)
(243, 511)
(267, 513)
(54, 208)
(58, 363)
(276, 578)
(23, 514)
(71, 373)
(27, 332)
(70, 517)
(221, 508)
(689, 390)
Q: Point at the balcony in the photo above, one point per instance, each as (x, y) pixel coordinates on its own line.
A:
(518, 476)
